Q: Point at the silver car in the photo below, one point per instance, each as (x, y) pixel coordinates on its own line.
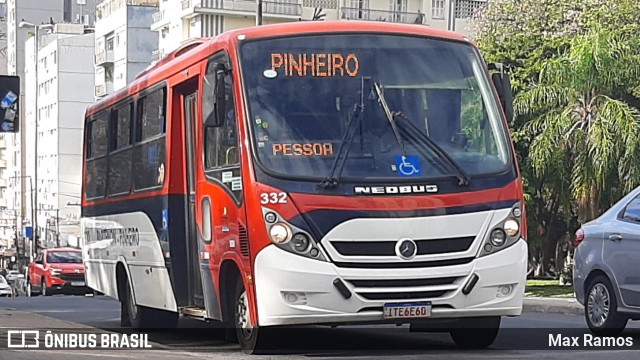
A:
(5, 288)
(606, 272)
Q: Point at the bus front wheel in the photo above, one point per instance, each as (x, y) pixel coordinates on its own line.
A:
(250, 337)
(476, 333)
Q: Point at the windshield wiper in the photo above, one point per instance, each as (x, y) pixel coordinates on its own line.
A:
(331, 181)
(391, 116)
(463, 177)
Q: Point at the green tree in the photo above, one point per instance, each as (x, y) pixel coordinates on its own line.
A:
(523, 35)
(583, 129)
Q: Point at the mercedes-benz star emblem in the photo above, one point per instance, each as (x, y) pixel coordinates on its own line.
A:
(406, 249)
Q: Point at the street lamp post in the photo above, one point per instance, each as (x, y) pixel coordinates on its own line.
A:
(33, 213)
(36, 28)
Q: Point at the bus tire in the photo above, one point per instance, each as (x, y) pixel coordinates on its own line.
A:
(140, 317)
(250, 337)
(476, 333)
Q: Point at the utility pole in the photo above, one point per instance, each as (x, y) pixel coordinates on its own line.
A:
(57, 227)
(259, 13)
(452, 15)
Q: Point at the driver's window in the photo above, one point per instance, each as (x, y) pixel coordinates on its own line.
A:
(221, 151)
(221, 143)
(632, 211)
(476, 134)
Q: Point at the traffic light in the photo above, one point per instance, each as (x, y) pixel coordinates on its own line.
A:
(10, 96)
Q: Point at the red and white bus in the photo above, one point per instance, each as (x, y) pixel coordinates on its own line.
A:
(309, 173)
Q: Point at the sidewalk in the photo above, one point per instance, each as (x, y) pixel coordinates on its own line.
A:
(553, 305)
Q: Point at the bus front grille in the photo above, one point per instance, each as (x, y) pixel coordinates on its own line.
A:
(405, 289)
(388, 248)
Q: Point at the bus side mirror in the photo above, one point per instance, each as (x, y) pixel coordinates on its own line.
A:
(502, 82)
(219, 108)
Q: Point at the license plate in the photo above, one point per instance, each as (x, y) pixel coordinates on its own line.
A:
(407, 310)
(77, 283)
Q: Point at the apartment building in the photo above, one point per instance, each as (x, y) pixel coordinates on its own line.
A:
(36, 12)
(18, 191)
(179, 20)
(65, 83)
(7, 216)
(124, 42)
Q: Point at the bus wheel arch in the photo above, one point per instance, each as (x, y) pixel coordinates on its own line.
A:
(122, 286)
(228, 280)
(137, 316)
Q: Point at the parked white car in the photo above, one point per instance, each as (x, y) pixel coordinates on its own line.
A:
(14, 275)
(5, 288)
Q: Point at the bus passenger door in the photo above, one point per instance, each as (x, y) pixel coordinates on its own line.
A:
(196, 297)
(220, 187)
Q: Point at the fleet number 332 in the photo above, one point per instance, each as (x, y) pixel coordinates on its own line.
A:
(273, 198)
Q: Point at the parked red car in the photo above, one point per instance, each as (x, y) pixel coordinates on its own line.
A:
(56, 271)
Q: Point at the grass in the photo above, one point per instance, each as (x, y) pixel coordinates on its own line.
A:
(548, 288)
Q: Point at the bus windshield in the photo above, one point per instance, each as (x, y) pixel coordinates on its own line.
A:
(304, 91)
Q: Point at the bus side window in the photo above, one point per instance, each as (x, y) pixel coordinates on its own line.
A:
(96, 163)
(227, 133)
(149, 156)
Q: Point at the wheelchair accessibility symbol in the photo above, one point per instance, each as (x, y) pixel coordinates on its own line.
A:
(408, 165)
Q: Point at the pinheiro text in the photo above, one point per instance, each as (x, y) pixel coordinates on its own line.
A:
(589, 340)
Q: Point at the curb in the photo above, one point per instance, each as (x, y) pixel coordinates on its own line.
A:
(553, 305)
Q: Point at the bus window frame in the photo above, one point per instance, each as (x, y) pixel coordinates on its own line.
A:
(221, 56)
(137, 131)
(129, 101)
(88, 148)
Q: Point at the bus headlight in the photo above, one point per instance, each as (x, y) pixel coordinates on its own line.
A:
(280, 233)
(300, 242)
(505, 232)
(511, 227)
(498, 238)
(290, 237)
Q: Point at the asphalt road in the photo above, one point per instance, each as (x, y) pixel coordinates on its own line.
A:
(524, 337)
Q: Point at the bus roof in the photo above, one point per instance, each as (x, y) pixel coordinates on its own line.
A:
(198, 49)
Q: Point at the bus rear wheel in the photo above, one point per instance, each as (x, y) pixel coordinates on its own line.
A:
(476, 333)
(140, 317)
(250, 337)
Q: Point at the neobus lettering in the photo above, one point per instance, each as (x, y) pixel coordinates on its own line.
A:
(316, 65)
(408, 189)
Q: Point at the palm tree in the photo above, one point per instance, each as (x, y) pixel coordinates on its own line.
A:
(584, 125)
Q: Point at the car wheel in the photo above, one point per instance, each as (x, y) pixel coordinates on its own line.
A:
(44, 290)
(601, 308)
(476, 333)
(30, 292)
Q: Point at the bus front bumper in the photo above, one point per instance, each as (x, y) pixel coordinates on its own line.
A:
(292, 289)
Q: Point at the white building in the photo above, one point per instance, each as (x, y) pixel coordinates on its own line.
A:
(124, 42)
(65, 89)
(7, 215)
(18, 193)
(179, 20)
